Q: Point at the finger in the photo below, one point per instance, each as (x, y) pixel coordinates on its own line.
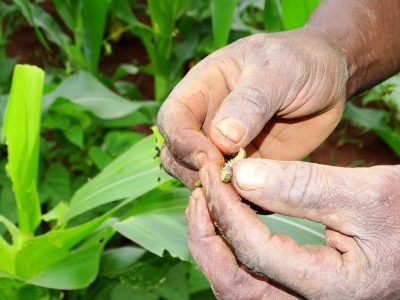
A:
(184, 173)
(182, 119)
(305, 269)
(174, 168)
(326, 194)
(246, 110)
(217, 261)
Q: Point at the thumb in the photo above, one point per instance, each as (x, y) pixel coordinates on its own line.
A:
(245, 111)
(329, 195)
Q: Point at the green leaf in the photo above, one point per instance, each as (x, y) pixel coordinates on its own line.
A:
(65, 11)
(135, 118)
(159, 138)
(116, 261)
(6, 67)
(273, 15)
(368, 118)
(123, 291)
(376, 120)
(56, 213)
(296, 12)
(26, 9)
(391, 137)
(122, 9)
(85, 90)
(157, 222)
(132, 174)
(163, 16)
(94, 17)
(7, 252)
(175, 286)
(74, 134)
(6, 9)
(116, 142)
(221, 15)
(9, 288)
(39, 18)
(3, 104)
(77, 270)
(148, 273)
(123, 70)
(56, 186)
(38, 254)
(301, 230)
(22, 132)
(197, 282)
(99, 157)
(7, 200)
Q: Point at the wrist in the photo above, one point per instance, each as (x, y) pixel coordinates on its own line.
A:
(366, 33)
(345, 57)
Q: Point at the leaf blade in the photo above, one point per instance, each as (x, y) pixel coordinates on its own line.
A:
(221, 14)
(132, 174)
(22, 131)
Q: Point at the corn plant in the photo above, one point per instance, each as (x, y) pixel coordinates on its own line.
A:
(165, 65)
(53, 258)
(384, 119)
(85, 19)
(7, 11)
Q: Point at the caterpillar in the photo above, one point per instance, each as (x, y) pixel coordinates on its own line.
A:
(227, 170)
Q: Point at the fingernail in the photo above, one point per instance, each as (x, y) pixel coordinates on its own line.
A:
(232, 129)
(249, 175)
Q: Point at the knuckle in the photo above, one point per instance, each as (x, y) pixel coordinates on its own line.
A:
(253, 104)
(303, 185)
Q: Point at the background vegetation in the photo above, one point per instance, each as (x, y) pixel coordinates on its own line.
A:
(101, 219)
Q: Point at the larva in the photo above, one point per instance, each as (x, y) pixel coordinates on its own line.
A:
(227, 171)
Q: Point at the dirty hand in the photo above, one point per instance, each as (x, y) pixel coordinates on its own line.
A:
(360, 207)
(280, 95)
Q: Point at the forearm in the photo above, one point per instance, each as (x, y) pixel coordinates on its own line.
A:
(368, 33)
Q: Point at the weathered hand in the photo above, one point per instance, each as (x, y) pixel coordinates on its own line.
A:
(280, 95)
(360, 207)
(228, 279)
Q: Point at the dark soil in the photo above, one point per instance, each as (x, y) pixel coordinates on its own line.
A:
(350, 147)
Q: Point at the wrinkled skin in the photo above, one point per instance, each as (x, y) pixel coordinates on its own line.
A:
(264, 92)
(280, 95)
(360, 208)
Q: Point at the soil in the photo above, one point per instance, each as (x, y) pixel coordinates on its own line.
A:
(347, 146)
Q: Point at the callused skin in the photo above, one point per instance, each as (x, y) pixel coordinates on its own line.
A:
(360, 208)
(280, 95)
(267, 92)
(367, 32)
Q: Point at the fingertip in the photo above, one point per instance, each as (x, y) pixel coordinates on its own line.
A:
(232, 129)
(249, 174)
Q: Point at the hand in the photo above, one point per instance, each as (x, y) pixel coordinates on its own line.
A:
(280, 95)
(360, 207)
(228, 279)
